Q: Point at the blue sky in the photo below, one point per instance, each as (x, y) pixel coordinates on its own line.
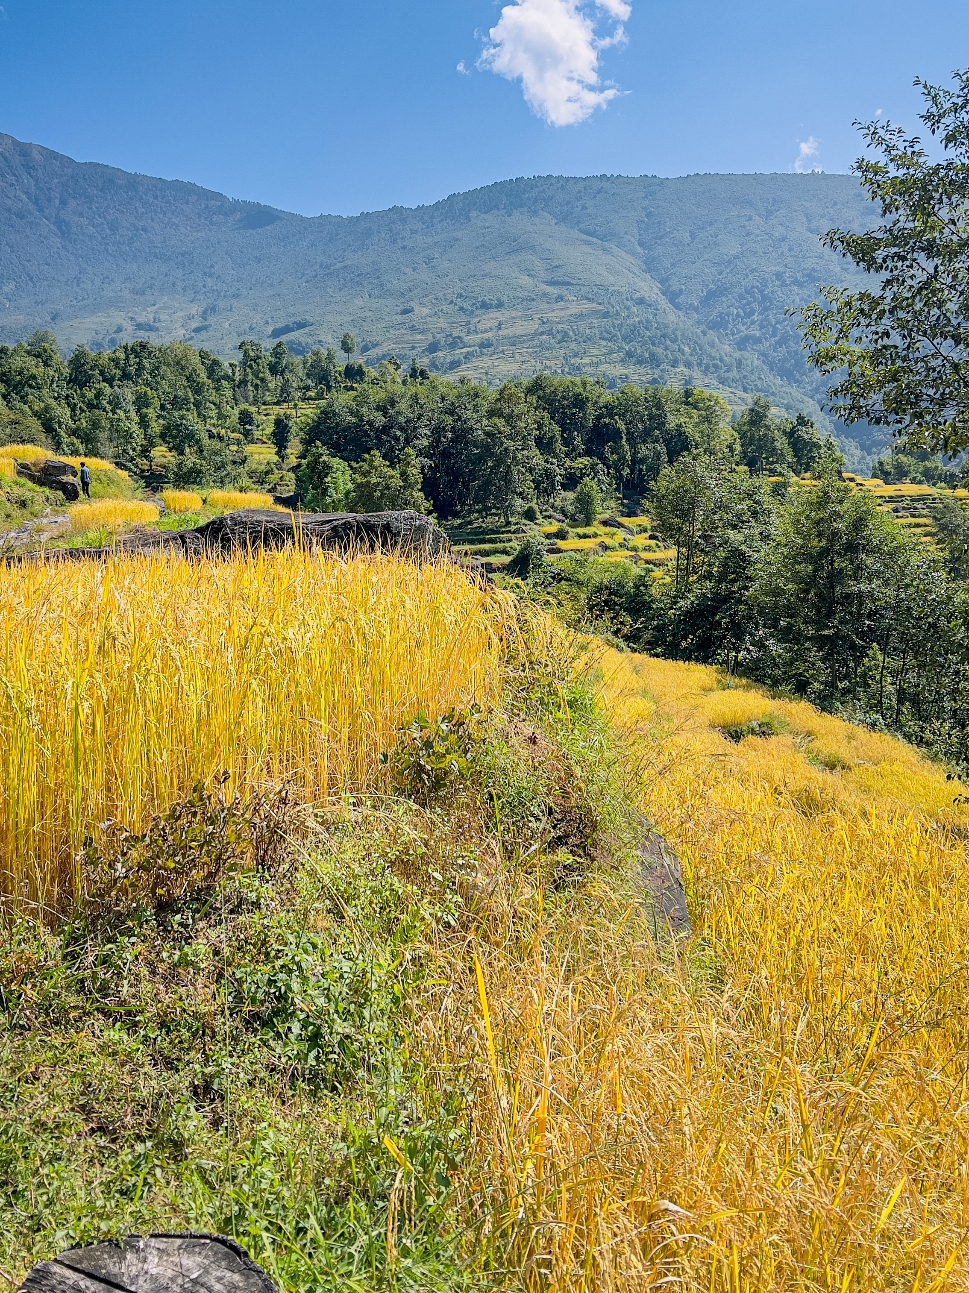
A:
(314, 105)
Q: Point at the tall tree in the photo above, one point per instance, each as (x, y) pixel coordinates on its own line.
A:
(587, 501)
(763, 446)
(823, 581)
(903, 340)
(282, 434)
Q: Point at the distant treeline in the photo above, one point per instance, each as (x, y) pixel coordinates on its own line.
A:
(805, 586)
(176, 414)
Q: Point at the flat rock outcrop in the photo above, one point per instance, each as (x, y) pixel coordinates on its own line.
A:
(410, 533)
(662, 878)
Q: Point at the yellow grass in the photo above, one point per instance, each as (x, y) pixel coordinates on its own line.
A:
(231, 500)
(33, 453)
(96, 464)
(25, 452)
(110, 514)
(8, 468)
(126, 682)
(906, 490)
(181, 500)
(581, 545)
(781, 1104)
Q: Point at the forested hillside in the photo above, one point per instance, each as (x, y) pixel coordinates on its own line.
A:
(630, 279)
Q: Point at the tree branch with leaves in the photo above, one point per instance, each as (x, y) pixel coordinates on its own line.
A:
(900, 347)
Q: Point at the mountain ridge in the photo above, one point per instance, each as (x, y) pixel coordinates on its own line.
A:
(638, 278)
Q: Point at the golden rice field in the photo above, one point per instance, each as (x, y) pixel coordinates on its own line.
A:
(127, 682)
(231, 500)
(25, 452)
(781, 1103)
(181, 500)
(34, 453)
(111, 514)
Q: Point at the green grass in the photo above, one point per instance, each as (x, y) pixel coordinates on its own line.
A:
(20, 502)
(247, 1055)
(234, 1066)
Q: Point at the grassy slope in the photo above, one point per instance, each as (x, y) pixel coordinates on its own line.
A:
(404, 1046)
(798, 1085)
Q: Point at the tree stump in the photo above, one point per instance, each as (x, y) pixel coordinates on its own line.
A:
(185, 1263)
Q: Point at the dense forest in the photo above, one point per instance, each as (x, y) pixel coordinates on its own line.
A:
(783, 571)
(806, 586)
(173, 414)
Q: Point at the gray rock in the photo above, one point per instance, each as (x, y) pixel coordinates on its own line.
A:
(613, 523)
(51, 473)
(662, 879)
(187, 1263)
(410, 533)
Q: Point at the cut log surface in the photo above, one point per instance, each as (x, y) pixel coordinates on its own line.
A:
(152, 1264)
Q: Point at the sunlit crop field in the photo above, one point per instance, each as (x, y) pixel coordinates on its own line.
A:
(181, 500)
(233, 499)
(111, 514)
(781, 1103)
(126, 682)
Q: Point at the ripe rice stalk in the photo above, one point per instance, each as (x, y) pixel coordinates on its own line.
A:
(8, 468)
(231, 500)
(777, 1104)
(111, 514)
(125, 683)
(36, 453)
(26, 452)
(96, 464)
(181, 500)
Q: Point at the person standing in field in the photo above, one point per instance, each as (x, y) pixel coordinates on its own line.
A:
(85, 480)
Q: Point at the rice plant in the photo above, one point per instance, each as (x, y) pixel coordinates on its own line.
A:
(113, 514)
(181, 500)
(231, 500)
(96, 464)
(126, 683)
(36, 453)
(778, 1104)
(25, 452)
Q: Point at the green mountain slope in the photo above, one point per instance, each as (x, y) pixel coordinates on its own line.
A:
(642, 279)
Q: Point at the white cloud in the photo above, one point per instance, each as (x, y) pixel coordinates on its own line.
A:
(618, 8)
(552, 47)
(807, 149)
(462, 69)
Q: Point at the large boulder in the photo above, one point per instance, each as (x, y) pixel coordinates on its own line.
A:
(410, 533)
(51, 473)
